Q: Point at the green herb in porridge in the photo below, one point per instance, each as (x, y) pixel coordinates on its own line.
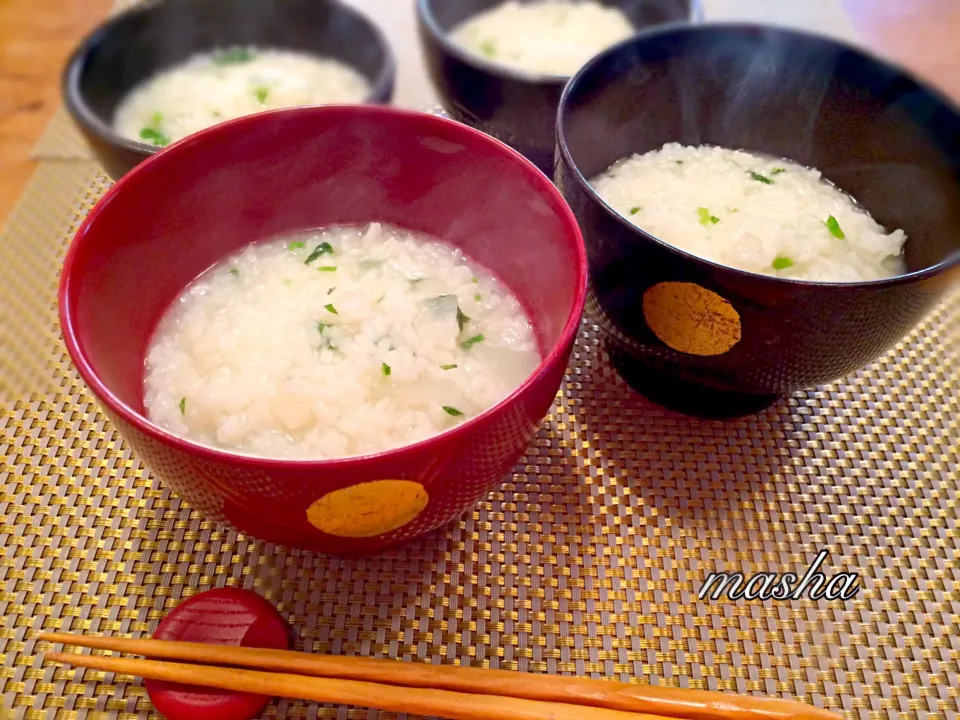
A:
(323, 248)
(706, 218)
(834, 227)
(233, 56)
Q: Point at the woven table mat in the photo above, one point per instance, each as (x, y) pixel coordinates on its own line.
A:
(61, 140)
(587, 561)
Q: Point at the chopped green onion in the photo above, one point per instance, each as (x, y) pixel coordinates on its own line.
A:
(634, 210)
(154, 136)
(488, 48)
(232, 57)
(234, 272)
(295, 245)
(679, 162)
(288, 282)
(153, 133)
(330, 308)
(183, 406)
(321, 327)
(478, 297)
(474, 280)
(414, 281)
(327, 268)
(330, 291)
(782, 263)
(323, 248)
(462, 319)
(761, 178)
(777, 171)
(706, 218)
(734, 210)
(447, 367)
(385, 369)
(469, 343)
(452, 411)
(834, 227)
(261, 94)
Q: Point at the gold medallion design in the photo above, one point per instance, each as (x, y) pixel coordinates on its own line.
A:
(368, 509)
(691, 319)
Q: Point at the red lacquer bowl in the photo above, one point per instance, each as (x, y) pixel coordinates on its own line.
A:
(187, 207)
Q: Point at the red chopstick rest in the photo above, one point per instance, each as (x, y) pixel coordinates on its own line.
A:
(226, 616)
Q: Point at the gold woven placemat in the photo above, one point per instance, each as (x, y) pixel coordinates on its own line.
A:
(588, 560)
(61, 140)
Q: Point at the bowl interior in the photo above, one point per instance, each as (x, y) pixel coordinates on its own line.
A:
(874, 132)
(129, 50)
(289, 170)
(641, 13)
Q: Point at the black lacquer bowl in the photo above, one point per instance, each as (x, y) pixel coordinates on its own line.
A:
(705, 338)
(516, 107)
(130, 47)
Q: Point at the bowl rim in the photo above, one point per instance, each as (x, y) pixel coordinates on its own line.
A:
(506, 72)
(563, 149)
(143, 424)
(77, 105)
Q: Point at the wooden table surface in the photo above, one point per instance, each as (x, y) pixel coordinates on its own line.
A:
(36, 38)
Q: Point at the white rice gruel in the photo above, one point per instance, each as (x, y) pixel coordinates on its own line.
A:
(214, 87)
(752, 212)
(335, 343)
(554, 37)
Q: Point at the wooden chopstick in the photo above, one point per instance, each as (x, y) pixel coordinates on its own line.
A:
(441, 703)
(635, 698)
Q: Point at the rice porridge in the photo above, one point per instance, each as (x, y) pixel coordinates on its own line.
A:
(554, 37)
(214, 87)
(335, 343)
(755, 213)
